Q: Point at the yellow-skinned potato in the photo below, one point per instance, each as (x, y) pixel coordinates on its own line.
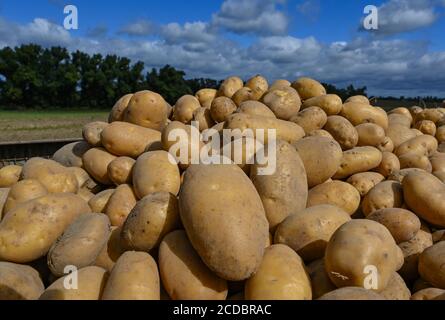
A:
(154, 172)
(342, 131)
(225, 223)
(256, 108)
(399, 134)
(111, 251)
(331, 104)
(427, 294)
(308, 231)
(91, 282)
(28, 231)
(96, 161)
(401, 174)
(184, 275)
(80, 243)
(415, 160)
(120, 170)
(387, 145)
(279, 84)
(71, 154)
(402, 111)
(434, 115)
(184, 108)
(308, 88)
(354, 247)
(150, 220)
(126, 139)
(426, 127)
(336, 193)
(285, 103)
(134, 277)
(358, 113)
(352, 293)
(365, 181)
(389, 165)
(370, 134)
(438, 162)
(120, 204)
(229, 87)
(440, 134)
(424, 194)
(396, 289)
(310, 119)
(242, 95)
(440, 175)
(85, 194)
(83, 178)
(281, 276)
(3, 196)
(19, 282)
(321, 284)
(91, 133)
(221, 108)
(358, 99)
(204, 118)
(118, 111)
(359, 159)
(98, 203)
(206, 96)
(399, 119)
(422, 145)
(23, 191)
(386, 194)
(259, 86)
(285, 191)
(147, 109)
(402, 224)
(320, 133)
(321, 157)
(431, 263)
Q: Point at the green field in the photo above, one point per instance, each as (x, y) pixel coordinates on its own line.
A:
(45, 125)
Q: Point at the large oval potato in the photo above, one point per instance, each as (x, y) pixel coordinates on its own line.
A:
(206, 96)
(308, 88)
(224, 218)
(358, 113)
(422, 145)
(256, 108)
(365, 181)
(359, 159)
(342, 131)
(28, 231)
(284, 102)
(230, 86)
(120, 204)
(96, 161)
(147, 109)
(120, 170)
(310, 119)
(91, 133)
(431, 265)
(185, 107)
(71, 154)
(331, 104)
(23, 191)
(19, 282)
(386, 194)
(184, 275)
(281, 276)
(370, 134)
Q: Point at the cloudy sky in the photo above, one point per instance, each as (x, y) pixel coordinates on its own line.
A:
(323, 39)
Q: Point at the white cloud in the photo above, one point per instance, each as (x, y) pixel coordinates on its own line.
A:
(194, 33)
(139, 28)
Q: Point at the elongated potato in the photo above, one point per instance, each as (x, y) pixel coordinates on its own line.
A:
(184, 275)
(19, 282)
(389, 165)
(365, 181)
(370, 134)
(360, 159)
(431, 263)
(284, 102)
(120, 204)
(22, 192)
(358, 113)
(98, 203)
(331, 104)
(256, 108)
(308, 88)
(320, 282)
(285, 191)
(342, 131)
(422, 145)
(91, 132)
(96, 161)
(117, 113)
(120, 170)
(386, 194)
(80, 243)
(28, 231)
(310, 119)
(134, 277)
(281, 276)
(225, 223)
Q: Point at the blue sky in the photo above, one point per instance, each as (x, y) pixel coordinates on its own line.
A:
(278, 38)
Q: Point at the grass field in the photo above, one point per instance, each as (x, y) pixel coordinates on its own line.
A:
(43, 125)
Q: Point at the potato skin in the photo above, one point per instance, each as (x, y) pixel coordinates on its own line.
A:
(259, 86)
(421, 145)
(98, 203)
(389, 165)
(23, 191)
(111, 251)
(134, 277)
(358, 113)
(331, 104)
(120, 204)
(3, 196)
(71, 154)
(308, 88)
(352, 293)
(184, 275)
(358, 99)
(342, 131)
(370, 134)
(221, 108)
(359, 159)
(256, 108)
(206, 96)
(281, 276)
(19, 282)
(242, 95)
(184, 109)
(80, 243)
(365, 181)
(426, 127)
(387, 145)
(440, 134)
(225, 223)
(431, 262)
(96, 161)
(9, 175)
(150, 220)
(386, 194)
(120, 170)
(204, 118)
(308, 231)
(46, 219)
(285, 191)
(285, 102)
(118, 111)
(91, 133)
(310, 119)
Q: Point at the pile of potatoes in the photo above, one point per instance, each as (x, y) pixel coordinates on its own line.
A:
(355, 189)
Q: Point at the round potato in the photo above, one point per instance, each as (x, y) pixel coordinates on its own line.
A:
(22, 192)
(402, 111)
(221, 108)
(285, 102)
(386, 194)
(310, 119)
(342, 131)
(91, 133)
(98, 203)
(308, 231)
(19, 282)
(358, 99)
(357, 160)
(281, 276)
(96, 161)
(256, 108)
(352, 293)
(206, 96)
(358, 113)
(331, 104)
(184, 109)
(431, 263)
(426, 127)
(365, 181)
(389, 165)
(120, 204)
(204, 118)
(150, 220)
(134, 277)
(242, 95)
(9, 175)
(308, 88)
(120, 170)
(118, 111)
(259, 86)
(71, 154)
(280, 83)
(147, 109)
(396, 289)
(184, 275)
(427, 294)
(434, 115)
(370, 134)
(321, 284)
(230, 86)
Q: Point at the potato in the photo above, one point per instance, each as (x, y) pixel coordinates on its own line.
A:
(120, 170)
(256, 108)
(401, 174)
(308, 88)
(427, 294)
(357, 160)
(80, 243)
(3, 196)
(386, 194)
(441, 148)
(98, 203)
(310, 119)
(19, 282)
(242, 152)
(206, 96)
(96, 161)
(399, 134)
(120, 204)
(342, 131)
(90, 283)
(358, 99)
(431, 263)
(118, 111)
(402, 224)
(204, 118)
(390, 164)
(358, 113)
(352, 293)
(438, 162)
(126, 139)
(415, 160)
(396, 289)
(28, 231)
(424, 194)
(426, 127)
(150, 220)
(365, 181)
(370, 134)
(279, 84)
(54, 177)
(434, 115)
(331, 104)
(438, 236)
(354, 247)
(134, 277)
(284, 130)
(399, 119)
(242, 95)
(147, 109)
(321, 284)
(421, 145)
(184, 108)
(71, 154)
(259, 86)
(9, 175)
(336, 193)
(229, 87)
(85, 194)
(387, 145)
(221, 108)
(184, 275)
(320, 133)
(402, 111)
(321, 157)
(91, 133)
(308, 231)
(84, 181)
(22, 192)
(281, 276)
(111, 251)
(440, 134)
(285, 103)
(155, 171)
(219, 206)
